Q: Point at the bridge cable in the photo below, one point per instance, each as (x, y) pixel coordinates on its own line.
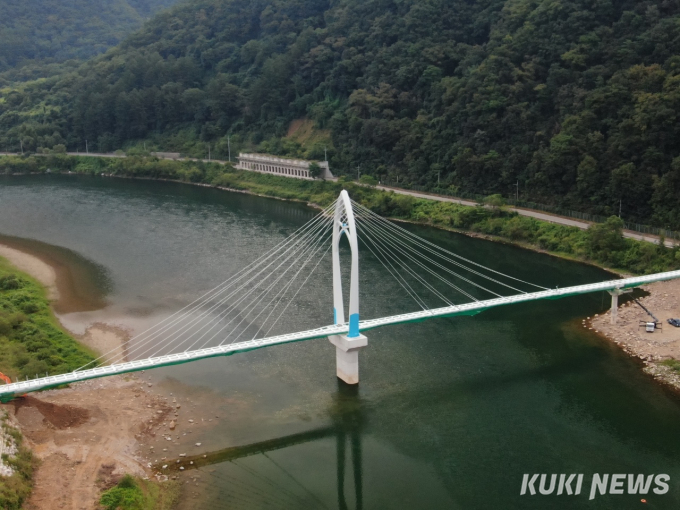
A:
(386, 239)
(391, 242)
(282, 292)
(381, 227)
(296, 293)
(300, 234)
(394, 243)
(215, 291)
(277, 485)
(211, 482)
(294, 479)
(314, 248)
(432, 247)
(305, 249)
(245, 487)
(395, 273)
(291, 252)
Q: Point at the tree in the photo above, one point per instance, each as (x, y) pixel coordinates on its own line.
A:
(368, 179)
(58, 31)
(494, 201)
(314, 170)
(606, 239)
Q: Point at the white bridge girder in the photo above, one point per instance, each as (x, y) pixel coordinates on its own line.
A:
(8, 391)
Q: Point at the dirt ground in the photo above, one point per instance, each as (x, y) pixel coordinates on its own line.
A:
(88, 435)
(652, 348)
(88, 438)
(107, 340)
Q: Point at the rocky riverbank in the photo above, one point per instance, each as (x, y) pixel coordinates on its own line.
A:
(87, 437)
(658, 350)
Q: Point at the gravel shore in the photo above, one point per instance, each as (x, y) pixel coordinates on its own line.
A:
(652, 348)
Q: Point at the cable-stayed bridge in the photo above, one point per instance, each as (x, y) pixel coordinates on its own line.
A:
(245, 312)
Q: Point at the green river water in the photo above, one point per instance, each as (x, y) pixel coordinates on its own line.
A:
(450, 413)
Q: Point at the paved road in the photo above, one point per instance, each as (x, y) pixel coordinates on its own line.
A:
(552, 218)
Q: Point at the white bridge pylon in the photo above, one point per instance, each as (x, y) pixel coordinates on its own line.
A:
(345, 335)
(346, 345)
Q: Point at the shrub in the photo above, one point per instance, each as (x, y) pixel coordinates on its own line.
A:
(9, 282)
(29, 308)
(125, 496)
(31, 341)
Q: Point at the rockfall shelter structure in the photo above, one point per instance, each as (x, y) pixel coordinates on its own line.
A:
(265, 163)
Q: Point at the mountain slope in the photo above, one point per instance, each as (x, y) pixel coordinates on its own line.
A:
(576, 102)
(60, 30)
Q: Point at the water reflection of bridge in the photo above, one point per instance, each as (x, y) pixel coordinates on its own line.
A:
(347, 422)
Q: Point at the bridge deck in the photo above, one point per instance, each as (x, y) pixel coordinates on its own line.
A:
(9, 391)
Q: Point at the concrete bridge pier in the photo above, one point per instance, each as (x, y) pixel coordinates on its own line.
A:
(347, 356)
(615, 293)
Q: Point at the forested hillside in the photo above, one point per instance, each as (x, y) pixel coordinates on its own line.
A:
(57, 30)
(576, 102)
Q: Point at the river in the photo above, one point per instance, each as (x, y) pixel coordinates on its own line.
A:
(450, 413)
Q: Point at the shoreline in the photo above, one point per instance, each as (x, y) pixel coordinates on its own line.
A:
(542, 215)
(65, 273)
(524, 246)
(468, 233)
(62, 291)
(34, 266)
(61, 425)
(313, 205)
(658, 351)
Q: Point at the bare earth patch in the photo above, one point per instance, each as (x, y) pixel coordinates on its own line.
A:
(87, 436)
(652, 348)
(110, 341)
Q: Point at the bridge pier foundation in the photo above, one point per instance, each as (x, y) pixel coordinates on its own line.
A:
(615, 293)
(347, 356)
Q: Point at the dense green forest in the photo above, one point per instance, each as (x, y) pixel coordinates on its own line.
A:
(37, 32)
(573, 103)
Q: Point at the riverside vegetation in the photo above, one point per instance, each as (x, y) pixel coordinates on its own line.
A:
(31, 339)
(602, 244)
(137, 494)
